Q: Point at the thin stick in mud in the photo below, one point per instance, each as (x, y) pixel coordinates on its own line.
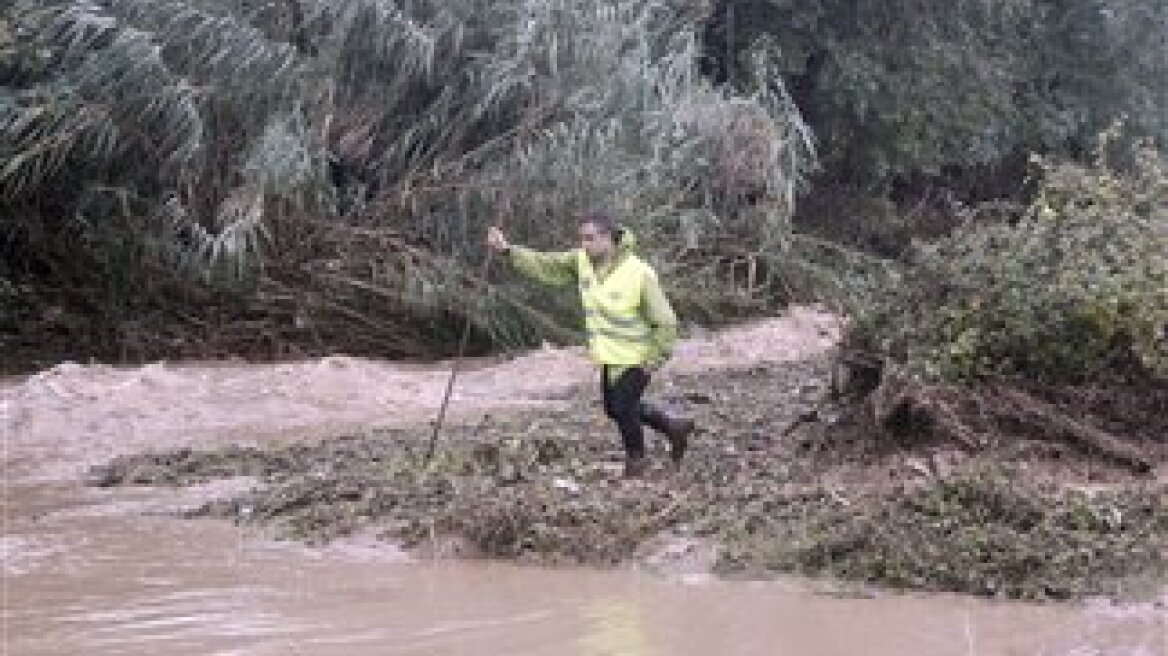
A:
(454, 369)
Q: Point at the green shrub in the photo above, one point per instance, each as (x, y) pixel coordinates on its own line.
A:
(1077, 287)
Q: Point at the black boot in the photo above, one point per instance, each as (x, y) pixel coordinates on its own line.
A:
(636, 466)
(676, 428)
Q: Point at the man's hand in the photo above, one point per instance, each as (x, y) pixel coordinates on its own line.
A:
(496, 240)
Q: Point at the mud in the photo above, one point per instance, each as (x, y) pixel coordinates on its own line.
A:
(544, 486)
(62, 419)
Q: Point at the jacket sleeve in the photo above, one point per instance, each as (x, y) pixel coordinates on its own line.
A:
(659, 314)
(558, 268)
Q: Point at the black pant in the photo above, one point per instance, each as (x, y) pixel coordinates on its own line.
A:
(622, 404)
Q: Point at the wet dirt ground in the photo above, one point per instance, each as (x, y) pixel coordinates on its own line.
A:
(112, 571)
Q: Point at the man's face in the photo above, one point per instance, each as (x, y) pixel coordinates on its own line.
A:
(595, 242)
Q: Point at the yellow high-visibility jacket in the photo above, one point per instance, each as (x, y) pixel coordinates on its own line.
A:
(627, 316)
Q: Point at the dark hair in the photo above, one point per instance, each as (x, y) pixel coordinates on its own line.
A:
(604, 221)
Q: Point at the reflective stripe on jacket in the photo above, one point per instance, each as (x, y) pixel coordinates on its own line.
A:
(618, 333)
(653, 310)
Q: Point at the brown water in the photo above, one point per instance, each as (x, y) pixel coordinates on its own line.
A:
(99, 573)
(110, 572)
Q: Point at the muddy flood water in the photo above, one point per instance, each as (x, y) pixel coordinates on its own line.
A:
(112, 571)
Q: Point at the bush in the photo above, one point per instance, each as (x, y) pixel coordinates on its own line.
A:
(1076, 288)
(330, 168)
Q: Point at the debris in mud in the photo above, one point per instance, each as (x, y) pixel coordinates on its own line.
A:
(546, 487)
(982, 533)
(974, 418)
(184, 467)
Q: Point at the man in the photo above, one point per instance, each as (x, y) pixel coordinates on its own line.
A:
(631, 327)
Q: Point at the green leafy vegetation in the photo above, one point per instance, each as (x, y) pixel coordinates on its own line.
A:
(178, 174)
(1075, 290)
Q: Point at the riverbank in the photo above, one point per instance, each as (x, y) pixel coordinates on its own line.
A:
(778, 481)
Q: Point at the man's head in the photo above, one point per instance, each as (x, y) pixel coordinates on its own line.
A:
(599, 234)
